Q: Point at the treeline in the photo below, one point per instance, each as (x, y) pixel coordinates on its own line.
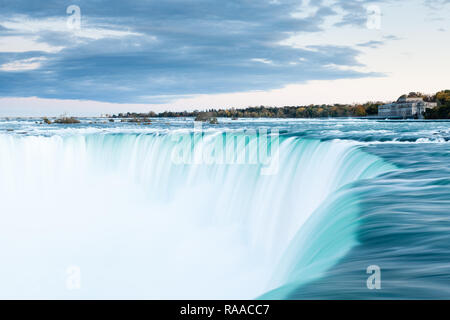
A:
(311, 111)
(442, 111)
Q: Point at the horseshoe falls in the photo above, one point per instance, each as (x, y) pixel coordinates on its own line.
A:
(118, 210)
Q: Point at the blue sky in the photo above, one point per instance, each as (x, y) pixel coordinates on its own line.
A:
(177, 54)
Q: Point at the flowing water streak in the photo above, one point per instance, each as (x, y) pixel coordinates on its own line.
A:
(117, 206)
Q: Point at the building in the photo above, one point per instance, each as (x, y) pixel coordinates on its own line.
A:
(405, 108)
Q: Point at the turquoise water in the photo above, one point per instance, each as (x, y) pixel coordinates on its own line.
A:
(143, 213)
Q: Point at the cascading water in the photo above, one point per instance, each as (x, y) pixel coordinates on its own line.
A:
(117, 206)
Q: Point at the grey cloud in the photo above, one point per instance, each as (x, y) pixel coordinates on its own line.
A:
(183, 48)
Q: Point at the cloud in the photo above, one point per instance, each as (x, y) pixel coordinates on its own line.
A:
(21, 24)
(16, 44)
(22, 65)
(371, 44)
(137, 52)
(38, 33)
(262, 60)
(436, 4)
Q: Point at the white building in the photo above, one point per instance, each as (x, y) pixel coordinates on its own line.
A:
(405, 108)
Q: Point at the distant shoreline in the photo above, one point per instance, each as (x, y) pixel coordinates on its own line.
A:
(117, 120)
(368, 110)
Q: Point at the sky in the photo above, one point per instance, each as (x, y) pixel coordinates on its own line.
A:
(92, 57)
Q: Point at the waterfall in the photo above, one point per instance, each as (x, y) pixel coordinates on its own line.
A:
(139, 225)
